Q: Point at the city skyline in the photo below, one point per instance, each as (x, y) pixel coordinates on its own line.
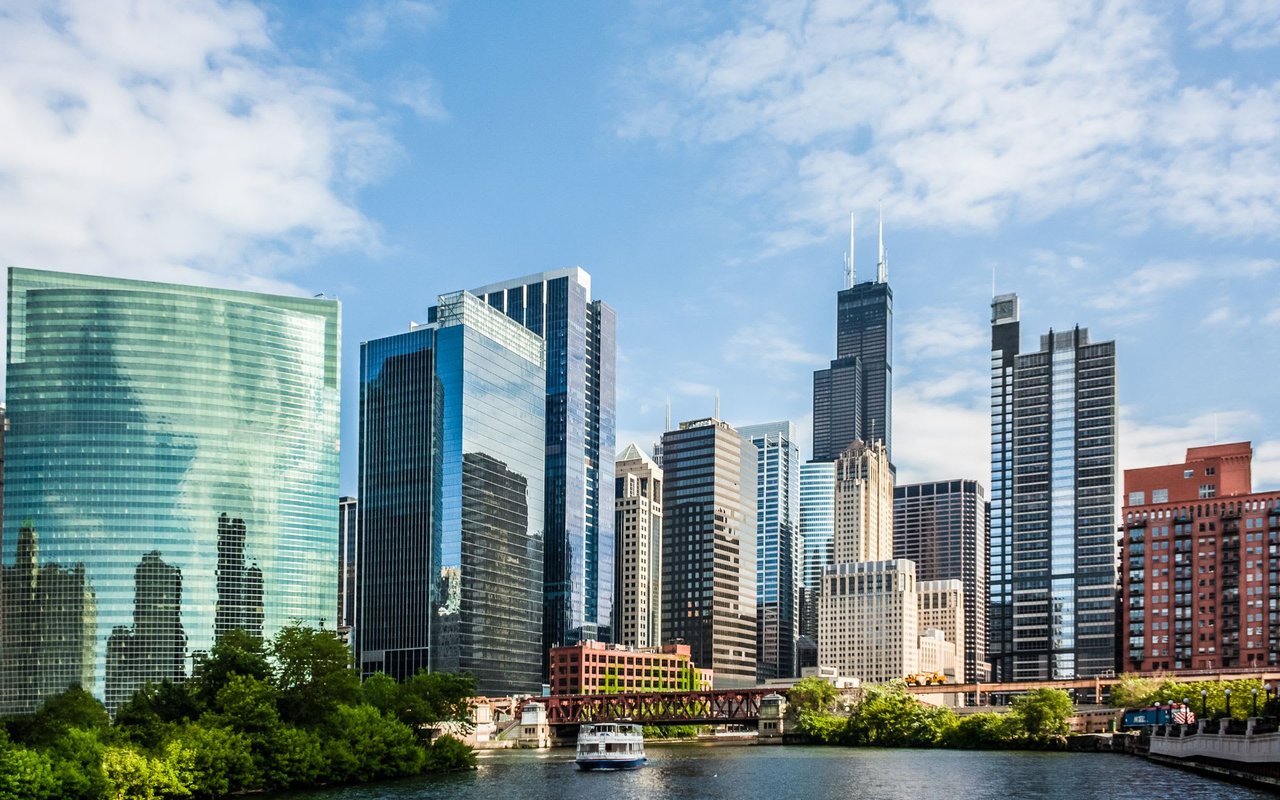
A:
(403, 183)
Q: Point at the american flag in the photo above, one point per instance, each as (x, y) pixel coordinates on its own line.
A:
(1183, 716)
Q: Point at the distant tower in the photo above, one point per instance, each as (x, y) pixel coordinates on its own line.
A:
(638, 566)
(853, 397)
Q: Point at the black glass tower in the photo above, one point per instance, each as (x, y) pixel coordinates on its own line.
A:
(853, 398)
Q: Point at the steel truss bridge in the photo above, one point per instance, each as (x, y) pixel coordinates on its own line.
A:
(725, 706)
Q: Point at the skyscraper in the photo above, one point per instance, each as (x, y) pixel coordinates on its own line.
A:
(853, 397)
(348, 565)
(817, 527)
(637, 604)
(1053, 475)
(709, 548)
(142, 416)
(779, 554)
(864, 504)
(580, 336)
(451, 469)
(942, 527)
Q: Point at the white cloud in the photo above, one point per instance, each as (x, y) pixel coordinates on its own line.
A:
(937, 332)
(968, 115)
(770, 343)
(1152, 444)
(1243, 24)
(174, 140)
(938, 439)
(1266, 466)
(420, 93)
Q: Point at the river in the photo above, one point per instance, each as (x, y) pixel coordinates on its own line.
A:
(746, 772)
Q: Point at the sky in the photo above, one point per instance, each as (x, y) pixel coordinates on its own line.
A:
(1116, 163)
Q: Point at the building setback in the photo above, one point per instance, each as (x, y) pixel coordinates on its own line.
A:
(868, 626)
(170, 474)
(450, 528)
(779, 553)
(853, 397)
(709, 548)
(942, 527)
(637, 605)
(1201, 580)
(1053, 579)
(580, 336)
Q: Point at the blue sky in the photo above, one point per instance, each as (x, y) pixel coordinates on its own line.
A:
(1115, 162)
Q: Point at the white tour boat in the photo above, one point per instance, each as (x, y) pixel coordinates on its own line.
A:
(610, 745)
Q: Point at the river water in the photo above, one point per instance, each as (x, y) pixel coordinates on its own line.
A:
(744, 772)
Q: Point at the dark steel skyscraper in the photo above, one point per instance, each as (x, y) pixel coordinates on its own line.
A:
(1053, 475)
(580, 337)
(853, 398)
(942, 527)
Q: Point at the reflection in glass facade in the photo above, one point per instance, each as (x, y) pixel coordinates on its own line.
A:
(817, 529)
(580, 338)
(451, 492)
(1053, 556)
(171, 467)
(778, 547)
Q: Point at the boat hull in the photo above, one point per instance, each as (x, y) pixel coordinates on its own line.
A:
(613, 763)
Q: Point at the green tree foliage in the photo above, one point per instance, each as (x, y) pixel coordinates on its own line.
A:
(71, 708)
(382, 692)
(235, 653)
(889, 716)
(985, 730)
(363, 745)
(1043, 713)
(447, 754)
(132, 775)
(1134, 692)
(813, 695)
(313, 673)
(26, 774)
(212, 762)
(77, 764)
(432, 698)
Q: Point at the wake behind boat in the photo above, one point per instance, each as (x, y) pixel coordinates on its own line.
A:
(610, 745)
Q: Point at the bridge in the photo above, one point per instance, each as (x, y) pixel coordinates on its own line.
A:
(724, 706)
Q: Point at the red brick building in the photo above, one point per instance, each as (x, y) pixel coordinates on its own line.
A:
(1200, 577)
(598, 668)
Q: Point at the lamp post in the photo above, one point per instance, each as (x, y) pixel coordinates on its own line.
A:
(1227, 692)
(1254, 712)
(1204, 703)
(1155, 728)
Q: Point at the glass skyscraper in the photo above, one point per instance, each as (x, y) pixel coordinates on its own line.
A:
(709, 548)
(451, 492)
(817, 530)
(1053, 534)
(580, 336)
(779, 554)
(171, 470)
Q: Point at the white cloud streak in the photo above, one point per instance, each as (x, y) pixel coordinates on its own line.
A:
(968, 115)
(173, 140)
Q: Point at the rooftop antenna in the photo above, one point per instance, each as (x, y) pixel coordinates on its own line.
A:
(717, 414)
(882, 266)
(668, 414)
(848, 258)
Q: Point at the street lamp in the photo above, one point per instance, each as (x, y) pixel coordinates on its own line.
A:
(1204, 703)
(1254, 713)
(1227, 692)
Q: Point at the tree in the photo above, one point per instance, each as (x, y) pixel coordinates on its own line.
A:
(431, 698)
(247, 705)
(381, 691)
(1134, 691)
(812, 694)
(889, 716)
(364, 745)
(131, 775)
(313, 673)
(447, 754)
(212, 761)
(1044, 712)
(235, 653)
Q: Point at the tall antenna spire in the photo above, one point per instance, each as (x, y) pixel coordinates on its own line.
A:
(668, 414)
(882, 266)
(717, 414)
(848, 258)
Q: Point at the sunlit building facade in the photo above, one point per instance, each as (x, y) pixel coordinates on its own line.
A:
(171, 470)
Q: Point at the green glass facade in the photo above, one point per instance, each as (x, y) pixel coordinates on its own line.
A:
(170, 474)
